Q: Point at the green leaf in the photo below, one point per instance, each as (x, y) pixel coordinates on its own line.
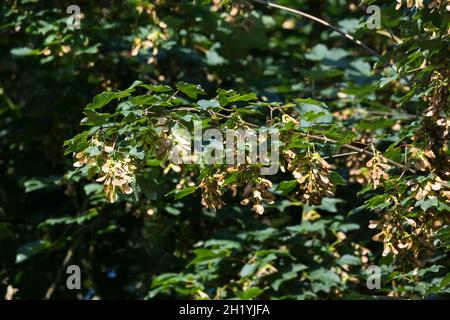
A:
(31, 248)
(144, 100)
(37, 184)
(286, 186)
(101, 99)
(289, 275)
(423, 271)
(379, 202)
(309, 227)
(148, 186)
(157, 88)
(88, 50)
(93, 188)
(94, 118)
(311, 102)
(213, 58)
(184, 192)
(230, 96)
(22, 52)
(384, 81)
(250, 293)
(231, 178)
(206, 255)
(229, 244)
(93, 151)
(106, 97)
(427, 203)
(191, 90)
(324, 280)
(208, 104)
(248, 270)
(348, 259)
(376, 124)
(317, 53)
(336, 179)
(77, 143)
(329, 204)
(70, 220)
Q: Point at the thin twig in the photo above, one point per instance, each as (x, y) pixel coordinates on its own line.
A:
(342, 154)
(391, 34)
(367, 152)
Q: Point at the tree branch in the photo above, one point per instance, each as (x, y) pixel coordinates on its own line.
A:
(367, 152)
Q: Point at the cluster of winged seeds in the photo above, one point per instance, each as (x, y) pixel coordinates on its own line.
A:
(212, 191)
(312, 175)
(256, 193)
(378, 168)
(116, 171)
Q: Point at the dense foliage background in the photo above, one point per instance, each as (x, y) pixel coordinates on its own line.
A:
(157, 245)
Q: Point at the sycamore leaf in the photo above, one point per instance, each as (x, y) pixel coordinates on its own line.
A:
(191, 90)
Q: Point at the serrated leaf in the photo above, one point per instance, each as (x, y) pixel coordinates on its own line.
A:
(94, 118)
(70, 220)
(157, 88)
(336, 179)
(191, 90)
(77, 143)
(208, 104)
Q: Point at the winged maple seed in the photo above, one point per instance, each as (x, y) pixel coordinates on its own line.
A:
(409, 4)
(287, 118)
(401, 231)
(392, 235)
(436, 116)
(116, 174)
(436, 5)
(162, 141)
(256, 193)
(312, 175)
(421, 159)
(83, 158)
(405, 236)
(429, 189)
(212, 191)
(362, 252)
(377, 167)
(433, 5)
